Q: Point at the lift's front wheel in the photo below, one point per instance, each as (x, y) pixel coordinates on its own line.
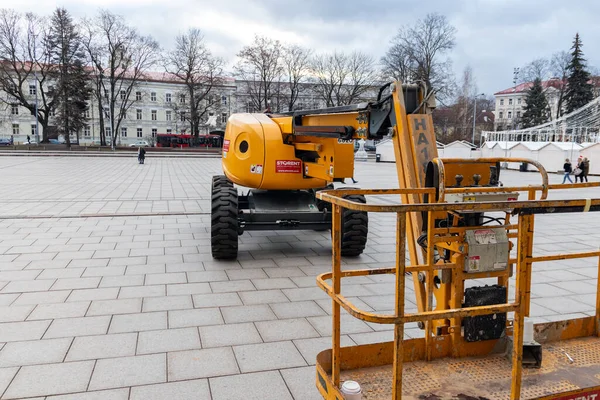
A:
(355, 227)
(224, 223)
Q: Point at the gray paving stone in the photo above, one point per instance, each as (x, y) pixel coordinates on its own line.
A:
(102, 346)
(309, 348)
(297, 309)
(232, 286)
(300, 294)
(17, 331)
(26, 275)
(132, 292)
(167, 303)
(349, 325)
(286, 329)
(186, 390)
(16, 354)
(195, 317)
(157, 279)
(93, 294)
(193, 364)
(48, 379)
(14, 313)
(113, 394)
(6, 376)
(76, 283)
(138, 322)
(69, 327)
(119, 306)
(145, 269)
(188, 288)
(104, 271)
(59, 310)
(7, 299)
(168, 340)
(254, 386)
(120, 281)
(273, 283)
(216, 300)
(233, 315)
(129, 371)
(28, 286)
(229, 335)
(263, 297)
(60, 273)
(268, 356)
(297, 381)
(241, 274)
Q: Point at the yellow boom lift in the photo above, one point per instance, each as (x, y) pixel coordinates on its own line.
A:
(459, 223)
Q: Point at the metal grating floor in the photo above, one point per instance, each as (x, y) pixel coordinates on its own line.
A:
(489, 377)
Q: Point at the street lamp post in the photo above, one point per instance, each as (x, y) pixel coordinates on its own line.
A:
(475, 117)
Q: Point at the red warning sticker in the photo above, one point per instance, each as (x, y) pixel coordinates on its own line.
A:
(288, 166)
(226, 145)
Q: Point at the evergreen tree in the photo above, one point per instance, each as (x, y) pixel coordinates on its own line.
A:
(579, 90)
(72, 80)
(536, 110)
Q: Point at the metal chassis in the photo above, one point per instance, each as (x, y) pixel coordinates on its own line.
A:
(331, 362)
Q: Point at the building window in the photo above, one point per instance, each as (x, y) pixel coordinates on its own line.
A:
(33, 129)
(509, 114)
(32, 90)
(501, 102)
(153, 115)
(182, 116)
(138, 114)
(154, 131)
(87, 113)
(224, 100)
(510, 102)
(500, 115)
(518, 114)
(519, 100)
(124, 131)
(169, 130)
(182, 98)
(139, 132)
(106, 112)
(138, 96)
(14, 109)
(168, 115)
(123, 95)
(153, 96)
(15, 129)
(86, 131)
(168, 97)
(224, 118)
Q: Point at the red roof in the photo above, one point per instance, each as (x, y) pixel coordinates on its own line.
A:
(554, 82)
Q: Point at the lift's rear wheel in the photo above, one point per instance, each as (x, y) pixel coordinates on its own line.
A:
(224, 223)
(355, 226)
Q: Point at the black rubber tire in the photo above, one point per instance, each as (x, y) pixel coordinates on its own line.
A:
(355, 227)
(224, 223)
(219, 181)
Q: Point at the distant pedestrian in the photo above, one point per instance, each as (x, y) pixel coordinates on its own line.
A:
(141, 155)
(28, 139)
(586, 169)
(568, 169)
(578, 171)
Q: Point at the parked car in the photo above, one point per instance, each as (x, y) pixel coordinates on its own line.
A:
(6, 142)
(140, 143)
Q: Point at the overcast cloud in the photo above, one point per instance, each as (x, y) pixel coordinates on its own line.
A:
(493, 35)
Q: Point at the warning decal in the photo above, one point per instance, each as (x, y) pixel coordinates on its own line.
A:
(226, 145)
(288, 166)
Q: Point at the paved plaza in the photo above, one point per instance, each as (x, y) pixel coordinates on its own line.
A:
(108, 289)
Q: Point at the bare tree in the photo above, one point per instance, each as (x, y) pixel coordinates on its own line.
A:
(416, 53)
(559, 66)
(296, 65)
(25, 69)
(342, 79)
(120, 57)
(192, 63)
(260, 67)
(536, 69)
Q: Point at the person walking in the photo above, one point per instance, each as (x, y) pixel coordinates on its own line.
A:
(141, 155)
(568, 168)
(578, 171)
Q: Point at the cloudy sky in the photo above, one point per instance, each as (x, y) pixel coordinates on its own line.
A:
(493, 37)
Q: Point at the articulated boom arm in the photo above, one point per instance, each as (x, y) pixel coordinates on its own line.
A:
(323, 140)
